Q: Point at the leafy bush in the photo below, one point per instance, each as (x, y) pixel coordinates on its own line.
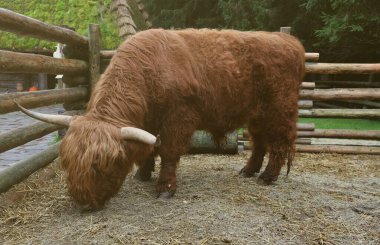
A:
(341, 30)
(76, 14)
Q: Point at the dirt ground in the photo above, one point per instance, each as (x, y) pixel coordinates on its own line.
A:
(327, 199)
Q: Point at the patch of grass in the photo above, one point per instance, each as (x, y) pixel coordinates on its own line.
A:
(340, 123)
(56, 139)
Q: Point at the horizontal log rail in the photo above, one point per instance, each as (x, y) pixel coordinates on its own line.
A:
(344, 113)
(108, 54)
(341, 94)
(11, 62)
(334, 141)
(22, 135)
(19, 171)
(41, 98)
(23, 25)
(334, 133)
(341, 134)
(305, 126)
(340, 68)
(308, 85)
(303, 141)
(341, 149)
(305, 104)
(346, 84)
(312, 56)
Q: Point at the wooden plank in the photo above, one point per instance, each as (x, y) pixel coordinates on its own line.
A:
(345, 84)
(107, 54)
(312, 56)
(11, 62)
(341, 149)
(341, 133)
(285, 29)
(305, 126)
(341, 68)
(22, 135)
(303, 141)
(305, 104)
(94, 54)
(329, 141)
(41, 98)
(341, 93)
(19, 171)
(338, 149)
(344, 113)
(308, 85)
(23, 25)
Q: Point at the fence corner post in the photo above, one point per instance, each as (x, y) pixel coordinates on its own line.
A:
(285, 29)
(94, 55)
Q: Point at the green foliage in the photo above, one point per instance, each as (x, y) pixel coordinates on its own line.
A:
(75, 14)
(184, 13)
(56, 138)
(341, 30)
(350, 30)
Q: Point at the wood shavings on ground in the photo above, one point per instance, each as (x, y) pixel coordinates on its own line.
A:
(326, 199)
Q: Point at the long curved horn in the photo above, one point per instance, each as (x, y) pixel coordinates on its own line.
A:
(130, 133)
(54, 119)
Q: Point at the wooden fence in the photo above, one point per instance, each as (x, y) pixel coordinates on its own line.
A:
(83, 63)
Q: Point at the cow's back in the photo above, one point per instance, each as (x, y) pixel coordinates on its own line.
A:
(222, 75)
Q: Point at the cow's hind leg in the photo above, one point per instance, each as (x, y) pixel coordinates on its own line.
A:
(257, 157)
(280, 145)
(144, 173)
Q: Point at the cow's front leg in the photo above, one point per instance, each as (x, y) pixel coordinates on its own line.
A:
(178, 127)
(167, 182)
(144, 173)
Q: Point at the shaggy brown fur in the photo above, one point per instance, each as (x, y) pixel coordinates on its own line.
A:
(174, 82)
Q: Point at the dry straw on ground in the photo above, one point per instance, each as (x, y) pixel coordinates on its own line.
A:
(327, 199)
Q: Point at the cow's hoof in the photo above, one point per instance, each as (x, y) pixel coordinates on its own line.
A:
(247, 174)
(266, 180)
(165, 194)
(143, 175)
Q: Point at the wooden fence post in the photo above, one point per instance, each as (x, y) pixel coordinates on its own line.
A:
(94, 55)
(285, 29)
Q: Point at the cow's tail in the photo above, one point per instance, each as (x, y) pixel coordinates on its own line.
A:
(290, 158)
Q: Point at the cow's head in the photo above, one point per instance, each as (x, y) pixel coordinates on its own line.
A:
(97, 155)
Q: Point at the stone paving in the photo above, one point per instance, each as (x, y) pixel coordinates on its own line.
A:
(13, 120)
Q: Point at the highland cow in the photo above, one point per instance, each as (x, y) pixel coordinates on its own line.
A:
(171, 83)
